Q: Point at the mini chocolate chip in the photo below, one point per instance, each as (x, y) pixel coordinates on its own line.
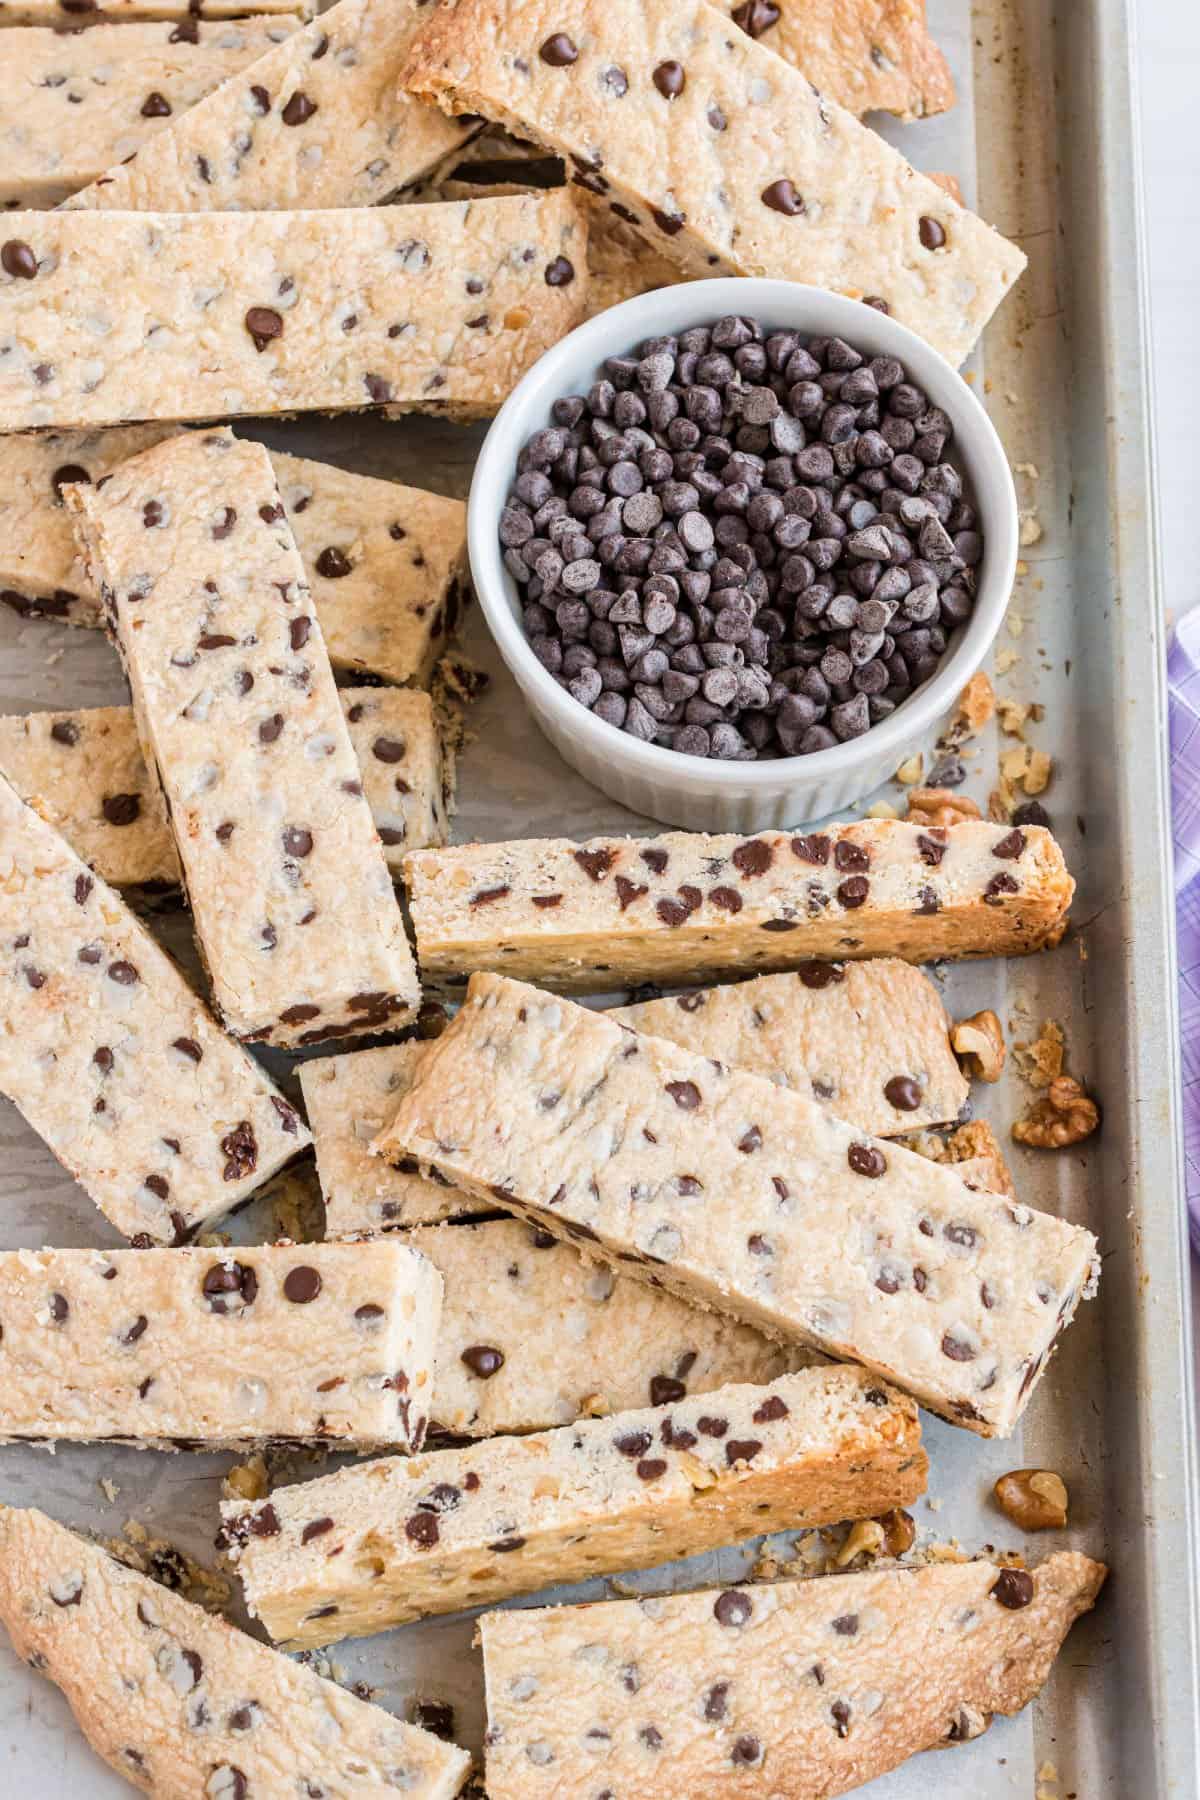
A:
(560, 272)
(771, 1409)
(224, 1280)
(930, 850)
(422, 1529)
(669, 79)
(263, 323)
(595, 863)
(121, 809)
(665, 1390)
(241, 1150)
(1010, 846)
(123, 973)
(483, 1360)
(931, 233)
(867, 1159)
(746, 1752)
(297, 841)
(903, 1092)
(333, 563)
(302, 1284)
(558, 51)
(756, 16)
(389, 749)
(732, 1608)
(753, 857)
(270, 729)
(298, 632)
(370, 1314)
(58, 1308)
(136, 1330)
(314, 1529)
(853, 891)
(651, 1468)
(1013, 1588)
(741, 1450)
(685, 1094)
(65, 731)
(298, 109)
(781, 197)
(18, 260)
(504, 1546)
(819, 975)
(956, 1348)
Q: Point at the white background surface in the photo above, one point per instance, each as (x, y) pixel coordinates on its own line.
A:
(1169, 71)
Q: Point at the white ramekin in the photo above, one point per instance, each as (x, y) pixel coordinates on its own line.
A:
(697, 792)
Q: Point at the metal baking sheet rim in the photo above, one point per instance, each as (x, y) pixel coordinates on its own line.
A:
(1161, 1598)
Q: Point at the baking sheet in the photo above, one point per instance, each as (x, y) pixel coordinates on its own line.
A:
(1042, 140)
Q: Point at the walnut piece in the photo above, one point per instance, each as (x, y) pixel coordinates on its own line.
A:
(976, 704)
(978, 1042)
(1041, 1061)
(899, 1532)
(865, 1538)
(1065, 1116)
(939, 806)
(1034, 1499)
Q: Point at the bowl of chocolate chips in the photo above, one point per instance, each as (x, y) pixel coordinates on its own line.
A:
(741, 543)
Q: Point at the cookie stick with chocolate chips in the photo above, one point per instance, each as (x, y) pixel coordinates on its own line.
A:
(239, 716)
(695, 906)
(313, 1343)
(181, 1703)
(725, 157)
(387, 564)
(72, 103)
(800, 1688)
(746, 1197)
(164, 1121)
(318, 121)
(431, 308)
(394, 1540)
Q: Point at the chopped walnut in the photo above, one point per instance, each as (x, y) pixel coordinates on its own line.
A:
(1041, 1062)
(1066, 1116)
(899, 1531)
(939, 806)
(976, 704)
(1034, 1499)
(247, 1481)
(865, 1538)
(910, 772)
(978, 1042)
(974, 1150)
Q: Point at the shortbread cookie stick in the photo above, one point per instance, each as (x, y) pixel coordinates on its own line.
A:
(162, 1119)
(86, 775)
(396, 1539)
(321, 120)
(804, 1688)
(692, 907)
(240, 719)
(73, 14)
(868, 55)
(867, 1040)
(349, 1100)
(870, 1040)
(172, 1348)
(726, 157)
(203, 315)
(534, 1335)
(387, 564)
(182, 1703)
(746, 1197)
(72, 104)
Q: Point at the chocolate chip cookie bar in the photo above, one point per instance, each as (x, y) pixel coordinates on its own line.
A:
(694, 907)
(403, 1537)
(349, 1100)
(746, 1197)
(163, 1120)
(200, 316)
(71, 105)
(387, 564)
(240, 720)
(86, 774)
(796, 1687)
(320, 120)
(180, 1702)
(171, 1349)
(868, 55)
(534, 1335)
(725, 157)
(868, 1040)
(72, 15)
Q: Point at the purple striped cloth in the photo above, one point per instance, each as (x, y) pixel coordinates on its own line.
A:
(1183, 688)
